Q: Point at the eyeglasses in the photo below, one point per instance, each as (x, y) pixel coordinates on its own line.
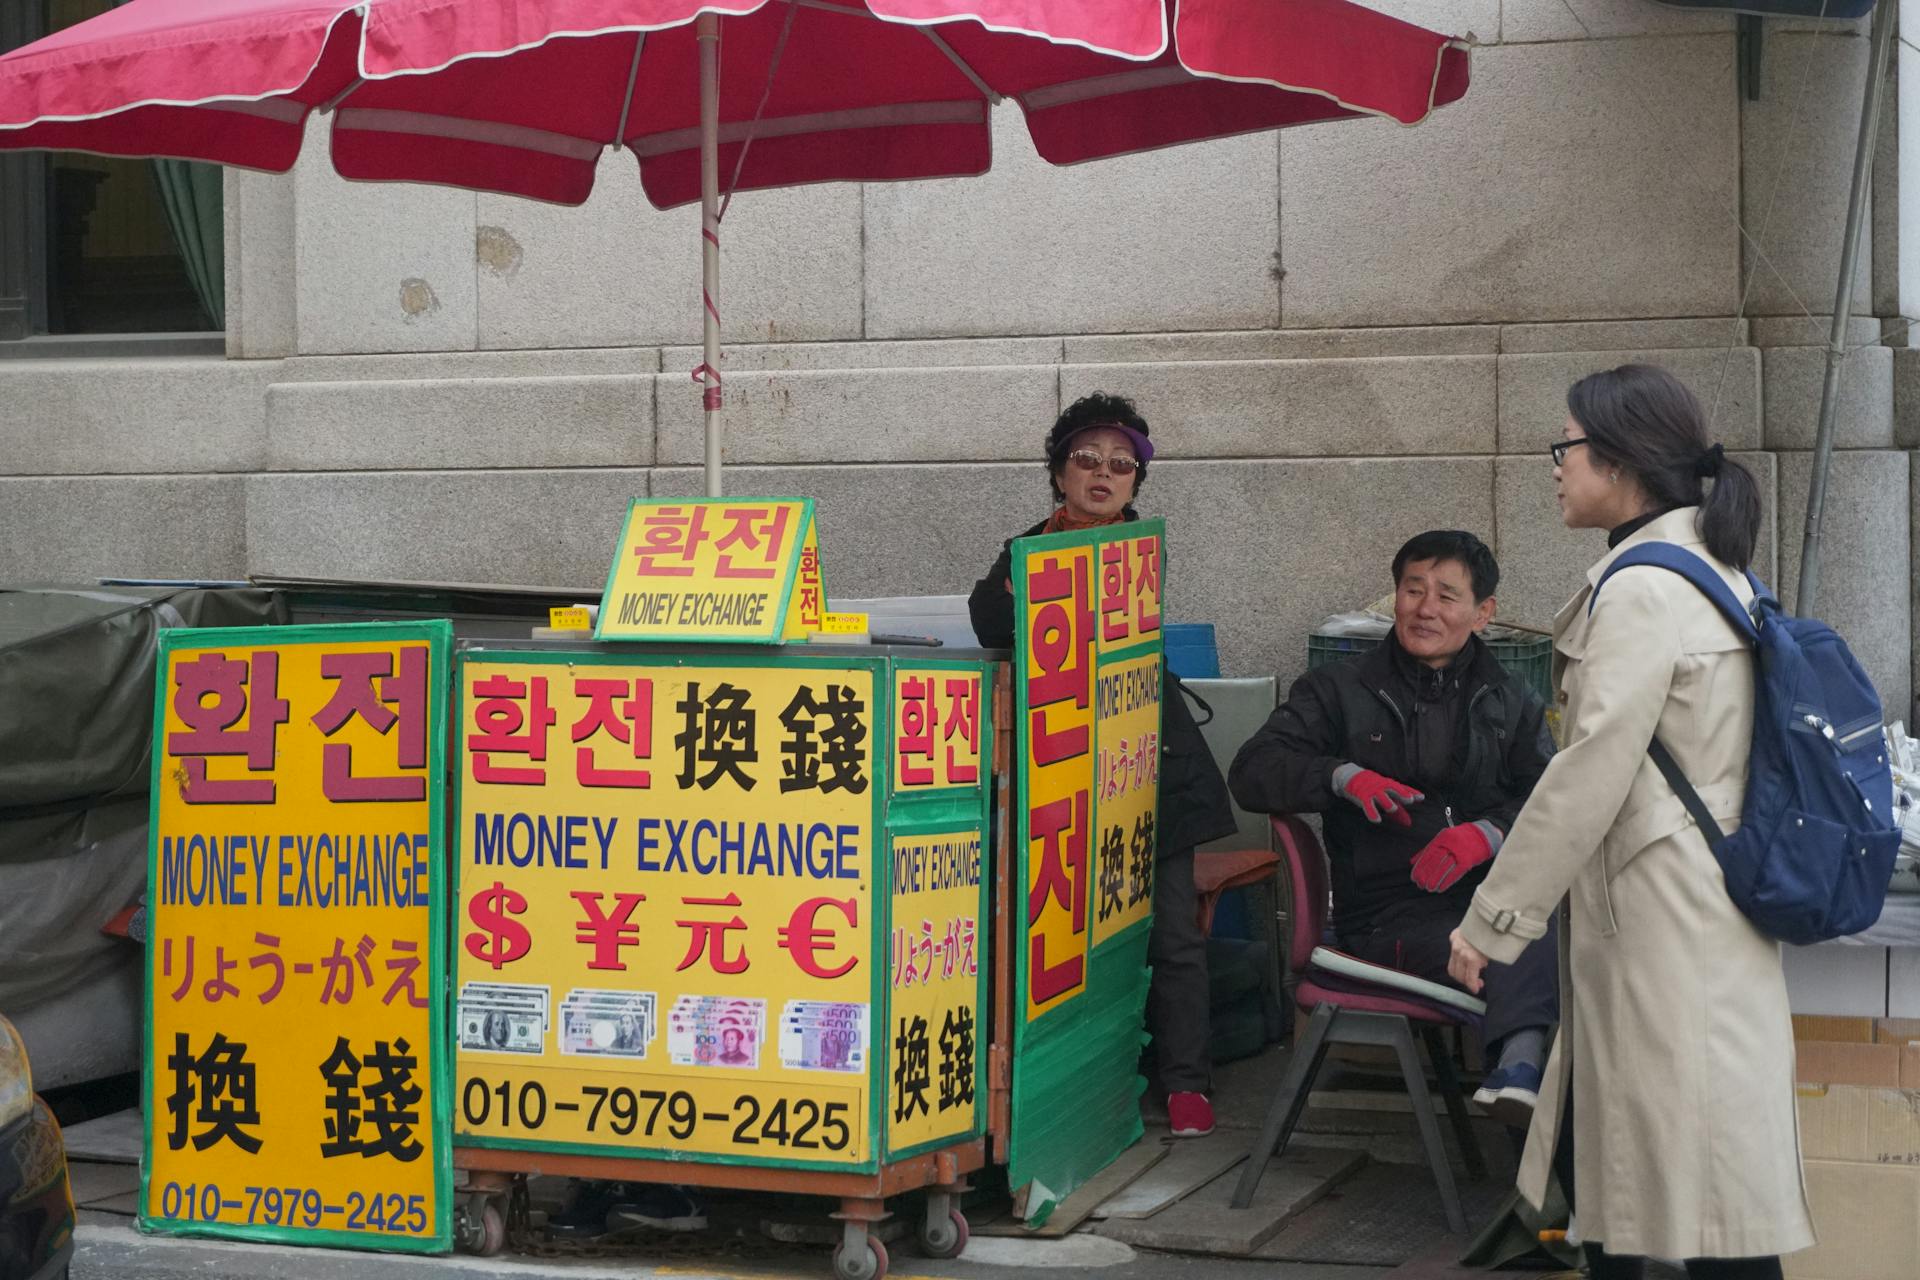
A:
(1121, 464)
(1559, 450)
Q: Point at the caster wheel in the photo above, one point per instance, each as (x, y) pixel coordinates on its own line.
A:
(945, 1237)
(868, 1262)
(493, 1231)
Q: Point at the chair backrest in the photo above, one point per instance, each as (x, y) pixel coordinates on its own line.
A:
(1307, 871)
(1241, 704)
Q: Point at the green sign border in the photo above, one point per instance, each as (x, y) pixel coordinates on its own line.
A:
(789, 574)
(438, 636)
(931, 812)
(881, 782)
(1108, 961)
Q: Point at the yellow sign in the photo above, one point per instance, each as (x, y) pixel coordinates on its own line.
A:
(1126, 782)
(712, 569)
(936, 728)
(667, 933)
(843, 624)
(806, 614)
(571, 618)
(1129, 592)
(1058, 741)
(294, 1063)
(934, 998)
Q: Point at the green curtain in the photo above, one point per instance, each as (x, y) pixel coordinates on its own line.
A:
(192, 195)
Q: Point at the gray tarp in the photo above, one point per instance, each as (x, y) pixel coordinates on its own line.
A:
(76, 726)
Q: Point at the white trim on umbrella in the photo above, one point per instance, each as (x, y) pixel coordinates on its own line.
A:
(745, 10)
(967, 112)
(212, 100)
(1433, 84)
(1165, 32)
(460, 129)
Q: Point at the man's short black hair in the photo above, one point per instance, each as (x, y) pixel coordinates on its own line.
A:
(1458, 546)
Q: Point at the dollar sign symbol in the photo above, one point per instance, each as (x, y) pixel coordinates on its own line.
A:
(501, 940)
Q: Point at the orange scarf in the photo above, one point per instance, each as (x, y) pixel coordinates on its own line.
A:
(1063, 522)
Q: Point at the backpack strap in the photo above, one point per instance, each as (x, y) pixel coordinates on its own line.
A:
(1670, 770)
(1665, 555)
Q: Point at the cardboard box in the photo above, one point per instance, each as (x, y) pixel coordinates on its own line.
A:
(1820, 1062)
(1867, 1217)
(1849, 1122)
(1817, 1026)
(1886, 1031)
(1910, 1067)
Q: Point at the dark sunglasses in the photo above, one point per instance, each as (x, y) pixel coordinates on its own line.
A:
(1559, 450)
(1121, 464)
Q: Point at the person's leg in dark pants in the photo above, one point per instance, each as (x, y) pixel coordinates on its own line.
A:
(1415, 937)
(1178, 1014)
(1733, 1269)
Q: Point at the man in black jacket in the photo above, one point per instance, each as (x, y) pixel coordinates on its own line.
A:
(1420, 754)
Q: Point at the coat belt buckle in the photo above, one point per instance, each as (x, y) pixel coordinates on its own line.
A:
(1503, 920)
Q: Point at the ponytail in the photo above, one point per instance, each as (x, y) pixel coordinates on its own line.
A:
(1645, 421)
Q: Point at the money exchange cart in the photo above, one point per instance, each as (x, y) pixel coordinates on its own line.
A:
(754, 912)
(771, 974)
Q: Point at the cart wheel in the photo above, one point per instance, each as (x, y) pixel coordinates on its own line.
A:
(493, 1231)
(866, 1261)
(944, 1237)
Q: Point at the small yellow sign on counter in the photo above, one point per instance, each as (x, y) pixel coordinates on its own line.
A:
(843, 624)
(571, 618)
(707, 569)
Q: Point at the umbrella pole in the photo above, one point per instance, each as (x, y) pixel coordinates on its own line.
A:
(1857, 206)
(707, 33)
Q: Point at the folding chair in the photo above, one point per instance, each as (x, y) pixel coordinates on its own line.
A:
(1354, 1002)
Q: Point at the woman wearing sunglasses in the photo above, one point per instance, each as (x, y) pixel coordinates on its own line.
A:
(1096, 459)
(1675, 1054)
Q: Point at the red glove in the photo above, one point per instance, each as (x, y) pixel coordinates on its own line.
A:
(1452, 854)
(1377, 795)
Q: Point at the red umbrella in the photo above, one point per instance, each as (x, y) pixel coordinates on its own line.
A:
(522, 97)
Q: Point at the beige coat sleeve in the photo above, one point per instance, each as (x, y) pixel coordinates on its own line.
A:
(1615, 698)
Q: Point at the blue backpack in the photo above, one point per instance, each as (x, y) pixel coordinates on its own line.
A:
(1818, 831)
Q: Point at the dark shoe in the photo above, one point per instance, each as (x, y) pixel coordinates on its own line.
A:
(661, 1207)
(1510, 1094)
(585, 1213)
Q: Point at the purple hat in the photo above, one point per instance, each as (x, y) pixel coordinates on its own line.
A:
(1142, 447)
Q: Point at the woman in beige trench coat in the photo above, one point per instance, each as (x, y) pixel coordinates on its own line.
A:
(1676, 1048)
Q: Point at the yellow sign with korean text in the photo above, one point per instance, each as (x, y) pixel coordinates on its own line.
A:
(807, 611)
(936, 718)
(1057, 740)
(296, 1060)
(707, 569)
(1089, 695)
(1126, 782)
(1129, 592)
(668, 932)
(935, 1015)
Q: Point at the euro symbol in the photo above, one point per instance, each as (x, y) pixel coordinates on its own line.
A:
(500, 940)
(801, 937)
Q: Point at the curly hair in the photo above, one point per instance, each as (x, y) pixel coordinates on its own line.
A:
(1095, 410)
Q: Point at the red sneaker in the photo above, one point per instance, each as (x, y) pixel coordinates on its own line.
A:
(1190, 1115)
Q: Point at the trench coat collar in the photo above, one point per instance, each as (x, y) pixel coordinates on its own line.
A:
(1679, 526)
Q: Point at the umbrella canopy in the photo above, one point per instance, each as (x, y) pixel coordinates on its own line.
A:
(522, 98)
